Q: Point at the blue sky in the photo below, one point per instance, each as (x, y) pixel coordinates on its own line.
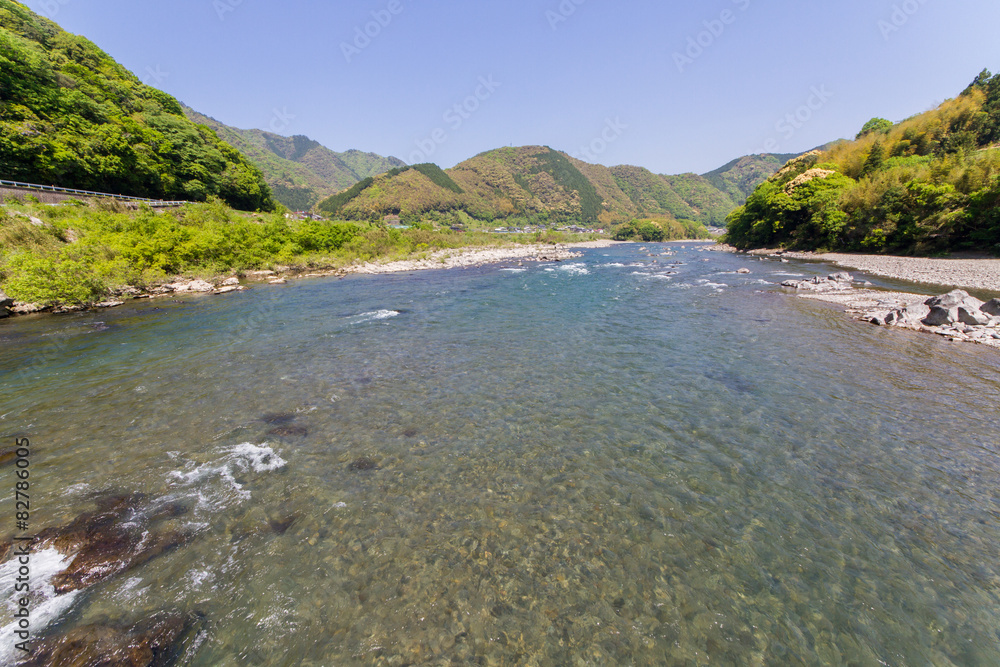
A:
(674, 87)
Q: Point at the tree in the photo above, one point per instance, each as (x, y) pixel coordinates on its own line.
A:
(874, 160)
(880, 125)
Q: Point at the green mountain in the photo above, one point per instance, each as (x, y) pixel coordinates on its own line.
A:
(740, 178)
(928, 184)
(299, 170)
(71, 116)
(536, 184)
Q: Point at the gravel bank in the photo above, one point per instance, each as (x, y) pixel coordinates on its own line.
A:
(468, 257)
(981, 274)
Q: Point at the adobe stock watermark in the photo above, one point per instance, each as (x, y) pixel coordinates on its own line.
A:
(455, 117)
(223, 7)
(901, 15)
(280, 120)
(562, 13)
(796, 120)
(612, 132)
(364, 35)
(156, 76)
(51, 7)
(704, 40)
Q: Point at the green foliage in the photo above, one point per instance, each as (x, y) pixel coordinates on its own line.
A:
(655, 230)
(72, 116)
(926, 185)
(83, 254)
(438, 177)
(333, 205)
(876, 126)
(571, 179)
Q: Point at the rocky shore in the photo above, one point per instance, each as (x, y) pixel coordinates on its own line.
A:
(440, 259)
(955, 315)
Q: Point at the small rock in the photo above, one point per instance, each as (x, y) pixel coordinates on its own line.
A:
(744, 271)
(5, 301)
(940, 315)
(277, 281)
(109, 304)
(363, 464)
(26, 308)
(842, 277)
(193, 286)
(228, 282)
(231, 288)
(913, 313)
(976, 317)
(991, 307)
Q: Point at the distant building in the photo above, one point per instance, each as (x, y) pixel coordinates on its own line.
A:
(392, 220)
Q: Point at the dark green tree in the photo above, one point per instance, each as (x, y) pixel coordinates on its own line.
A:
(880, 125)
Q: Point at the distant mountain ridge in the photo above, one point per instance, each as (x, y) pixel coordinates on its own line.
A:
(300, 170)
(539, 184)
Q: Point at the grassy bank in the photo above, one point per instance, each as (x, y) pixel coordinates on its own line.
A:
(80, 253)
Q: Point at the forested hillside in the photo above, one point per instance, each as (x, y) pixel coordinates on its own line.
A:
(300, 171)
(71, 116)
(533, 184)
(928, 184)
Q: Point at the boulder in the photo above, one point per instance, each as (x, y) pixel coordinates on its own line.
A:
(159, 640)
(973, 317)
(192, 286)
(913, 314)
(5, 301)
(940, 316)
(953, 299)
(743, 271)
(118, 536)
(991, 307)
(230, 288)
(228, 282)
(842, 277)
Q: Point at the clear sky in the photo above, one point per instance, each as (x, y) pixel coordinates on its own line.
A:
(671, 86)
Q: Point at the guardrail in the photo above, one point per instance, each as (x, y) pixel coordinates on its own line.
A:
(88, 193)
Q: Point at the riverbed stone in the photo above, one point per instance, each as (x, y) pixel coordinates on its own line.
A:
(5, 301)
(954, 299)
(940, 315)
(118, 536)
(157, 641)
(913, 314)
(971, 316)
(991, 307)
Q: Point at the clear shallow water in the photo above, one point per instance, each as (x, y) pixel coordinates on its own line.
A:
(608, 461)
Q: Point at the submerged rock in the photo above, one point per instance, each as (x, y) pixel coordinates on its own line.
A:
(154, 642)
(117, 537)
(278, 417)
(363, 464)
(288, 431)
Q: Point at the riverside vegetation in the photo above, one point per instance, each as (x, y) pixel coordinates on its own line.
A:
(928, 184)
(78, 253)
